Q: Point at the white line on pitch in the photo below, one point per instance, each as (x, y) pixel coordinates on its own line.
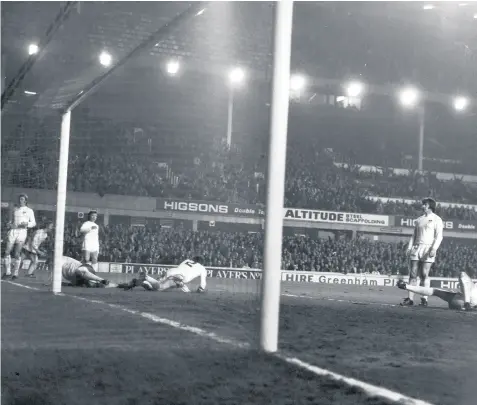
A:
(369, 389)
(339, 300)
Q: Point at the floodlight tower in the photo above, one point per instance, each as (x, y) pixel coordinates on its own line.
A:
(410, 98)
(235, 79)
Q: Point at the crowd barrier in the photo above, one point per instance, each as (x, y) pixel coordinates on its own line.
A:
(256, 274)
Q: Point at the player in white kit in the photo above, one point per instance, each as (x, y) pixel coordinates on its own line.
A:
(465, 298)
(422, 248)
(77, 274)
(31, 250)
(22, 219)
(90, 247)
(177, 277)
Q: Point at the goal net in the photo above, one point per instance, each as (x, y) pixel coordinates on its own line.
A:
(170, 150)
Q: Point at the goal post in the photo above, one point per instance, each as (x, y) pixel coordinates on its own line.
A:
(61, 199)
(270, 297)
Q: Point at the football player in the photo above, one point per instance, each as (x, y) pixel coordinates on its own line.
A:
(422, 248)
(22, 219)
(465, 298)
(31, 250)
(175, 278)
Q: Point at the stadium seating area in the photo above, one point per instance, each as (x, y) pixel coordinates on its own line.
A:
(207, 171)
(124, 244)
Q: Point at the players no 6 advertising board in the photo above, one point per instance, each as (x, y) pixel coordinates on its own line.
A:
(296, 214)
(133, 268)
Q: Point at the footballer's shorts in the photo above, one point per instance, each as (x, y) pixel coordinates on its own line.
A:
(18, 235)
(421, 253)
(90, 247)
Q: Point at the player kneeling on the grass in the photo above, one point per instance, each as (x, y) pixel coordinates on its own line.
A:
(77, 274)
(465, 299)
(177, 277)
(31, 250)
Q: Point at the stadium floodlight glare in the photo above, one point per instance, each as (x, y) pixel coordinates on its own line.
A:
(236, 76)
(105, 59)
(30, 93)
(428, 7)
(409, 97)
(200, 12)
(475, 16)
(461, 103)
(297, 82)
(173, 67)
(32, 49)
(354, 89)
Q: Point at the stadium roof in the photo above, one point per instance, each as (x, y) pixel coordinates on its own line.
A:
(379, 42)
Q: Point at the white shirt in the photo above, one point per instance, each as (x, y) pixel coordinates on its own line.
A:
(90, 230)
(22, 215)
(428, 230)
(69, 267)
(36, 240)
(189, 270)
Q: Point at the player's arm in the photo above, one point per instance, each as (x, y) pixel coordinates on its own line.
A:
(85, 228)
(438, 236)
(31, 219)
(411, 241)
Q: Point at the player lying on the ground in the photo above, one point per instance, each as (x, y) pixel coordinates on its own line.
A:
(465, 299)
(177, 277)
(31, 250)
(77, 274)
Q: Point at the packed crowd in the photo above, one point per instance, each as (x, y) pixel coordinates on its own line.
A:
(120, 243)
(206, 170)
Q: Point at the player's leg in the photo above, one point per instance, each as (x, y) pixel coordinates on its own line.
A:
(86, 256)
(94, 260)
(17, 255)
(447, 296)
(83, 273)
(173, 281)
(7, 254)
(33, 257)
(412, 281)
(424, 269)
(466, 287)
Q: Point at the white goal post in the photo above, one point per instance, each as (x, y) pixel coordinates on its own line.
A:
(270, 299)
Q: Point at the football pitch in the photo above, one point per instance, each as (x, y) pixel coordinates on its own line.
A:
(107, 346)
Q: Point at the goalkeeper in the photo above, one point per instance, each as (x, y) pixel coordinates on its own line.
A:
(465, 298)
(77, 274)
(177, 277)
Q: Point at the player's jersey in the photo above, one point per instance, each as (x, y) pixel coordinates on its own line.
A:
(428, 231)
(23, 215)
(69, 267)
(34, 243)
(189, 270)
(90, 231)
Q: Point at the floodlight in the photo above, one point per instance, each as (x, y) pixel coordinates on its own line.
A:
(173, 67)
(354, 89)
(236, 76)
(32, 49)
(30, 93)
(105, 59)
(428, 7)
(297, 82)
(461, 103)
(409, 97)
